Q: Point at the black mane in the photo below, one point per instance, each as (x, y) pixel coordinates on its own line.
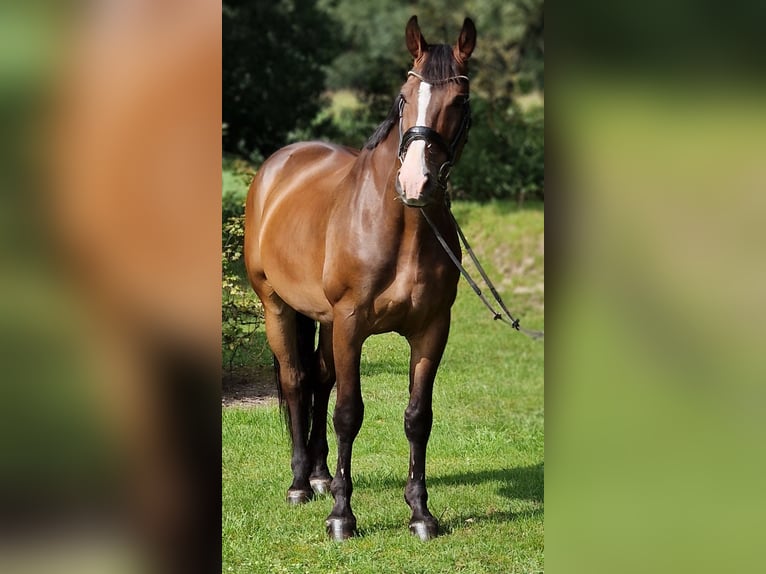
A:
(383, 129)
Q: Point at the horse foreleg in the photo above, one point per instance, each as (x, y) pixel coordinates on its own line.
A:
(426, 352)
(347, 419)
(320, 475)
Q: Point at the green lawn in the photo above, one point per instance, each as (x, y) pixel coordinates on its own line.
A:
(485, 456)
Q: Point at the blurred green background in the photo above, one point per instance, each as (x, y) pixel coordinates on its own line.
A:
(654, 380)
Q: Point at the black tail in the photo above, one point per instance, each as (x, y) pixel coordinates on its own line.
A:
(306, 343)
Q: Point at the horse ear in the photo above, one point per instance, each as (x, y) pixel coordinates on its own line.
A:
(416, 43)
(466, 42)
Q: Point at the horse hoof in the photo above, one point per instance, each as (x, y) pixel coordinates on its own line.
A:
(296, 497)
(320, 485)
(425, 530)
(340, 529)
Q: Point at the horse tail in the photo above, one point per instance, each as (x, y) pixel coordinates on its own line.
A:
(278, 384)
(305, 337)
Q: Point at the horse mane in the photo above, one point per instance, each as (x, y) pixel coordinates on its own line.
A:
(439, 65)
(384, 129)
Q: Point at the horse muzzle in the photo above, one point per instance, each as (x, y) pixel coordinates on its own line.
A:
(418, 194)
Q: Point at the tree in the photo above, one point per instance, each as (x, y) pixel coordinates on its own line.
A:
(273, 57)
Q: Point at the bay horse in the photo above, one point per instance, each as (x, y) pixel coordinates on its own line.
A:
(335, 236)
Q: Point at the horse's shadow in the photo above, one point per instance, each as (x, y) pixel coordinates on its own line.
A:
(520, 483)
(524, 483)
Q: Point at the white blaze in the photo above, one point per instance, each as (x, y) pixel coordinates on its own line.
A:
(412, 175)
(424, 96)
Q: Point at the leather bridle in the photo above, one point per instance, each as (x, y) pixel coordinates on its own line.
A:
(432, 137)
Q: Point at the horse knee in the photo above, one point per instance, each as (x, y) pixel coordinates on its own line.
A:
(347, 418)
(295, 389)
(418, 420)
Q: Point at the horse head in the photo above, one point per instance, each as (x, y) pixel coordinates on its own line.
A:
(434, 114)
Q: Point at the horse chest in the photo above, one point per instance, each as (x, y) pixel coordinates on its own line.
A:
(415, 294)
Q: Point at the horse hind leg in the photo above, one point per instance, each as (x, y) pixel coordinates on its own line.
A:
(291, 338)
(324, 380)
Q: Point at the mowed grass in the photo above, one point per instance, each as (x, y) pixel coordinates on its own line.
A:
(485, 457)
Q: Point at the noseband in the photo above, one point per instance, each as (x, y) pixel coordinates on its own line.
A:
(431, 136)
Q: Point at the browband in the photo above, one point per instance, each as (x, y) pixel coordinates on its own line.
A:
(444, 81)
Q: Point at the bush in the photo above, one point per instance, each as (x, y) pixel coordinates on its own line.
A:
(274, 59)
(505, 155)
(237, 175)
(241, 311)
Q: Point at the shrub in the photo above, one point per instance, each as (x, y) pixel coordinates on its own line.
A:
(505, 155)
(241, 311)
(237, 175)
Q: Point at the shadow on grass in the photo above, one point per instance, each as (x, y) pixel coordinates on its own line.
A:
(466, 520)
(520, 483)
(524, 483)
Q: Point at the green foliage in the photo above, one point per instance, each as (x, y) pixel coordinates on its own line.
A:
(237, 175)
(241, 311)
(274, 52)
(329, 69)
(374, 57)
(509, 58)
(505, 154)
(347, 118)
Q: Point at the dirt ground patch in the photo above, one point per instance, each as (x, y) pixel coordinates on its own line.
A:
(253, 388)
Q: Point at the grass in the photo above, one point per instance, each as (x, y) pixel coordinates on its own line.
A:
(485, 456)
